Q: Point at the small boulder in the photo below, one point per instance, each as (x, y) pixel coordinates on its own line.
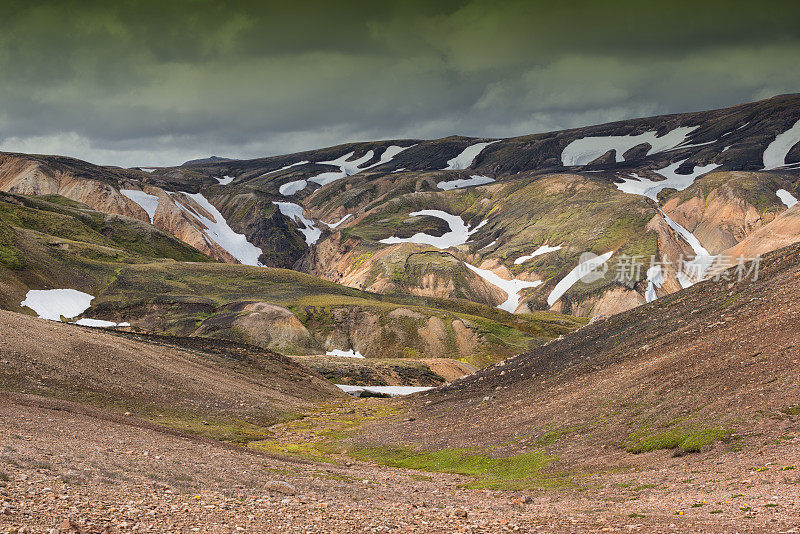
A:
(279, 486)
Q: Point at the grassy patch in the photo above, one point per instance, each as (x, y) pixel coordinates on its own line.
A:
(522, 471)
(682, 440)
(792, 410)
(233, 430)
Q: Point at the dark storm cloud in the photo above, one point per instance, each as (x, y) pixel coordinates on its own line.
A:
(158, 82)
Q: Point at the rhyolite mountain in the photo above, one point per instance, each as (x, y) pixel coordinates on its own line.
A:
(499, 222)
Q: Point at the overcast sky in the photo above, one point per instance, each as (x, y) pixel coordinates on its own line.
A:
(157, 83)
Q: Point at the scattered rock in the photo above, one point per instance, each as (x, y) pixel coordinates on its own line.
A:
(279, 486)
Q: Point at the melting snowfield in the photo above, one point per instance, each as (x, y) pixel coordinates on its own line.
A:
(776, 152)
(475, 179)
(654, 280)
(290, 188)
(295, 213)
(225, 180)
(511, 287)
(587, 149)
(544, 249)
(650, 189)
(694, 270)
(458, 235)
(337, 223)
(149, 203)
(51, 304)
(392, 391)
(467, 156)
(581, 270)
(344, 353)
(218, 231)
(786, 197)
(349, 168)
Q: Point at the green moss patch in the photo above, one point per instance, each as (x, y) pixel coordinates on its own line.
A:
(682, 440)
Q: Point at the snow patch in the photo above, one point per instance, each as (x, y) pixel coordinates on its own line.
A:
(337, 223)
(295, 213)
(582, 269)
(344, 353)
(53, 303)
(694, 270)
(475, 179)
(511, 287)
(290, 188)
(285, 167)
(225, 180)
(654, 280)
(544, 249)
(650, 188)
(99, 323)
(466, 157)
(392, 391)
(149, 203)
(217, 230)
(786, 197)
(458, 234)
(587, 149)
(776, 152)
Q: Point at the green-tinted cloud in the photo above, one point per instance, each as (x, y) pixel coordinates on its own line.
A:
(132, 79)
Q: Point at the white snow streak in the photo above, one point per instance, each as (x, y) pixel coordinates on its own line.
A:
(587, 149)
(650, 188)
(776, 152)
(217, 230)
(344, 353)
(581, 270)
(544, 249)
(295, 213)
(149, 203)
(475, 179)
(786, 197)
(511, 287)
(654, 279)
(467, 156)
(392, 391)
(225, 180)
(458, 234)
(337, 223)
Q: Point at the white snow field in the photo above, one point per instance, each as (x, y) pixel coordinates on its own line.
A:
(639, 185)
(458, 234)
(349, 168)
(580, 270)
(511, 287)
(694, 270)
(99, 323)
(148, 169)
(337, 223)
(225, 180)
(587, 149)
(295, 213)
(285, 167)
(149, 203)
(654, 280)
(218, 231)
(344, 353)
(544, 249)
(786, 197)
(392, 391)
(467, 156)
(475, 179)
(775, 154)
(290, 188)
(53, 303)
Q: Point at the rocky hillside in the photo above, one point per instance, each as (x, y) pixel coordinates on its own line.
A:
(55, 253)
(501, 222)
